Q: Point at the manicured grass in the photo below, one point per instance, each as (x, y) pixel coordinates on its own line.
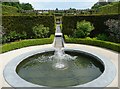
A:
(94, 42)
(26, 43)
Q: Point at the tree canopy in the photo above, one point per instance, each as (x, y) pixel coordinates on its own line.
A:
(23, 6)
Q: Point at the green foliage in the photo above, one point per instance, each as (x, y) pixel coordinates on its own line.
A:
(13, 36)
(61, 26)
(14, 4)
(103, 37)
(52, 37)
(40, 31)
(96, 6)
(83, 29)
(69, 23)
(14, 8)
(113, 30)
(23, 6)
(94, 42)
(21, 24)
(26, 43)
(9, 10)
(26, 6)
(107, 8)
(112, 8)
(71, 10)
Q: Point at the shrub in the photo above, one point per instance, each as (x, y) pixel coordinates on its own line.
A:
(113, 30)
(94, 42)
(103, 37)
(83, 29)
(40, 31)
(13, 36)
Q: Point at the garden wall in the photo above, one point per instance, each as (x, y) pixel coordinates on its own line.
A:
(69, 23)
(26, 23)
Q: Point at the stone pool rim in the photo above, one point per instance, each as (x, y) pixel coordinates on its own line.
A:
(102, 81)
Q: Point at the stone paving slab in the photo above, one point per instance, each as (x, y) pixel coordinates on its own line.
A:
(6, 57)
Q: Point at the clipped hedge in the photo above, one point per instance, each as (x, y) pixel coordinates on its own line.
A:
(94, 42)
(26, 43)
(69, 23)
(26, 23)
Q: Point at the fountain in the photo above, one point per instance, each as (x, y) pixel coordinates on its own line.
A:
(60, 59)
(59, 56)
(59, 67)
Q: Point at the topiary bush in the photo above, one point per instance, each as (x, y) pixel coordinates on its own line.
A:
(83, 29)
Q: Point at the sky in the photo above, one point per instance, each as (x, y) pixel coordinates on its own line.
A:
(60, 4)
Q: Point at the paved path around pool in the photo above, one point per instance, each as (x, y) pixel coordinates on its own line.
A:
(6, 57)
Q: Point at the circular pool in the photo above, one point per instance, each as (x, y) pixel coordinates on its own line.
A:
(37, 69)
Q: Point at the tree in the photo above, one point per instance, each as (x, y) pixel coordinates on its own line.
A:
(14, 4)
(83, 29)
(56, 9)
(71, 10)
(98, 5)
(26, 6)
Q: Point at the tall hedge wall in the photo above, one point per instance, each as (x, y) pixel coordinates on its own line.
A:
(26, 23)
(69, 23)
